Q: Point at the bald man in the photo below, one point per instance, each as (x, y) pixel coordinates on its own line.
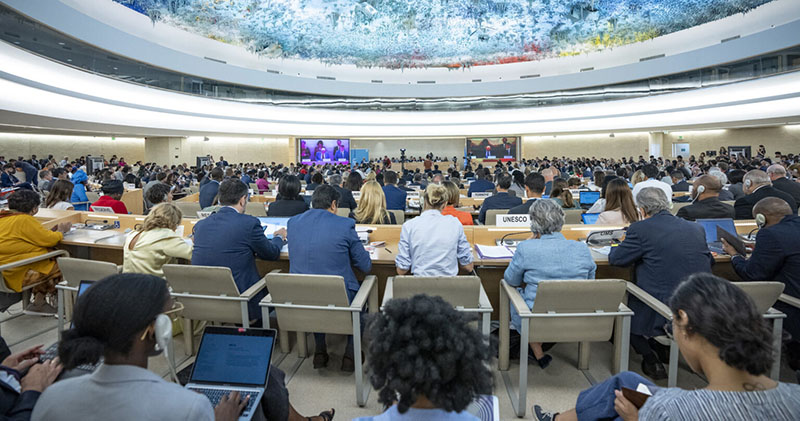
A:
(757, 186)
(705, 201)
(777, 173)
(776, 257)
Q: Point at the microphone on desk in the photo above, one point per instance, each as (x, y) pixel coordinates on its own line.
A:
(503, 238)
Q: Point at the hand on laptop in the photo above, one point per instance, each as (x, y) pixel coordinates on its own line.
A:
(41, 376)
(20, 361)
(229, 407)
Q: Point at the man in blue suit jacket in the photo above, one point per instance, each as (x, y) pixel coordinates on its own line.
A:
(501, 200)
(334, 251)
(395, 197)
(232, 239)
(664, 250)
(209, 190)
(776, 257)
(481, 184)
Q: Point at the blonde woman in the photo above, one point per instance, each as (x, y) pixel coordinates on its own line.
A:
(453, 199)
(156, 243)
(372, 206)
(638, 177)
(433, 244)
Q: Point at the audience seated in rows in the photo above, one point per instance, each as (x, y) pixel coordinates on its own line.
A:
(546, 254)
(757, 186)
(23, 237)
(534, 188)
(453, 201)
(155, 243)
(724, 339)
(59, 195)
(289, 202)
(112, 192)
(501, 199)
(663, 250)
(705, 201)
(341, 252)
(433, 244)
(619, 206)
(231, 239)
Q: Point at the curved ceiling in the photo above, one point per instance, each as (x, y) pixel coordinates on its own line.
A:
(434, 33)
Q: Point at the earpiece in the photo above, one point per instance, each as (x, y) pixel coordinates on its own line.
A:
(700, 190)
(761, 220)
(163, 335)
(747, 183)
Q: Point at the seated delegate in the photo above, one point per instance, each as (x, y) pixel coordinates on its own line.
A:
(433, 244)
(58, 197)
(288, 202)
(534, 188)
(619, 206)
(757, 186)
(407, 342)
(155, 243)
(22, 381)
(112, 192)
(724, 339)
(453, 199)
(500, 200)
(546, 255)
(705, 201)
(372, 206)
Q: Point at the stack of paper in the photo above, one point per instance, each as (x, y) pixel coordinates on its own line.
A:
(494, 252)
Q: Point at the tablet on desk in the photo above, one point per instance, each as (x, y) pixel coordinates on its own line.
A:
(731, 239)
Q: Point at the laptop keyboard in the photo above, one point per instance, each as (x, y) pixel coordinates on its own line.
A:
(52, 352)
(215, 395)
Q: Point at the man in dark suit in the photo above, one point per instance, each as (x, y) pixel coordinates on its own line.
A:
(346, 196)
(222, 162)
(232, 239)
(664, 250)
(209, 190)
(334, 251)
(776, 257)
(500, 200)
(534, 187)
(31, 173)
(395, 197)
(678, 181)
(18, 394)
(757, 186)
(706, 203)
(777, 173)
(481, 184)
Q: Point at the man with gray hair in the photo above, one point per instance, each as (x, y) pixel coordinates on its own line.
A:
(663, 250)
(757, 186)
(777, 173)
(347, 200)
(724, 193)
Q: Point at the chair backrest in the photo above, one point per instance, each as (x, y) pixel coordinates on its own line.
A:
(92, 196)
(573, 216)
(764, 294)
(576, 296)
(188, 209)
(491, 215)
(194, 189)
(677, 205)
(460, 291)
(345, 212)
(255, 209)
(399, 216)
(254, 186)
(729, 202)
(208, 282)
(310, 290)
(76, 270)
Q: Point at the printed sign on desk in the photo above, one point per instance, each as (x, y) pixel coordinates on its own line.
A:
(481, 195)
(513, 220)
(102, 209)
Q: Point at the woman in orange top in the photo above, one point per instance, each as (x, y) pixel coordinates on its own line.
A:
(454, 196)
(24, 237)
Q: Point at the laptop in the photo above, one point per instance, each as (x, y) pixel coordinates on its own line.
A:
(590, 218)
(587, 198)
(710, 227)
(52, 351)
(233, 359)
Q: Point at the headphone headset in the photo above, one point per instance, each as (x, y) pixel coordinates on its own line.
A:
(700, 190)
(747, 183)
(162, 333)
(761, 220)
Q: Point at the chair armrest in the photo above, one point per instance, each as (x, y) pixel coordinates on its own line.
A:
(35, 259)
(517, 302)
(788, 299)
(650, 301)
(363, 293)
(774, 314)
(625, 309)
(266, 301)
(388, 292)
(254, 289)
(483, 300)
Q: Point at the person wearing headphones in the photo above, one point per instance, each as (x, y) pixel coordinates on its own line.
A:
(757, 186)
(705, 201)
(775, 258)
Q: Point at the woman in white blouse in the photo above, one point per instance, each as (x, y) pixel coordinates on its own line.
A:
(59, 196)
(156, 243)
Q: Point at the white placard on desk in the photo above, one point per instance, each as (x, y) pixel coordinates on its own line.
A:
(102, 209)
(356, 195)
(412, 195)
(481, 194)
(513, 220)
(203, 214)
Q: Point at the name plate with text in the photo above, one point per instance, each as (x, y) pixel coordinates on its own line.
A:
(513, 220)
(102, 209)
(481, 195)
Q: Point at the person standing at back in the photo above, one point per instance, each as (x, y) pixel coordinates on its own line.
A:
(231, 239)
(395, 197)
(433, 244)
(209, 190)
(757, 186)
(500, 200)
(341, 251)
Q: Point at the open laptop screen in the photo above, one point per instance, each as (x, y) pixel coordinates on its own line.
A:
(590, 218)
(234, 356)
(710, 226)
(588, 197)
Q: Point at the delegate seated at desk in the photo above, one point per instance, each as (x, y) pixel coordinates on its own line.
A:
(500, 200)
(705, 201)
(757, 186)
(112, 192)
(232, 239)
(156, 243)
(336, 249)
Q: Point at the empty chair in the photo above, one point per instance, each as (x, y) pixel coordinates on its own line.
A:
(188, 209)
(465, 293)
(491, 215)
(255, 209)
(74, 271)
(319, 304)
(581, 311)
(573, 216)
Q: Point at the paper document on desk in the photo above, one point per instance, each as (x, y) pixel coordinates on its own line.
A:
(373, 252)
(605, 251)
(269, 229)
(494, 252)
(285, 248)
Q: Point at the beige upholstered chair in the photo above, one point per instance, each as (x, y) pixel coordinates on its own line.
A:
(399, 216)
(491, 215)
(465, 293)
(93, 196)
(74, 271)
(209, 293)
(573, 216)
(188, 209)
(319, 303)
(11, 297)
(677, 205)
(255, 209)
(580, 311)
(344, 212)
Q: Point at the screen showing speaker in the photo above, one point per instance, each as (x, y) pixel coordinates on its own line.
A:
(493, 148)
(324, 151)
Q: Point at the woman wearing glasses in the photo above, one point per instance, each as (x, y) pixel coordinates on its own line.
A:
(723, 338)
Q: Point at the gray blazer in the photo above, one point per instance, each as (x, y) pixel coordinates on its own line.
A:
(120, 393)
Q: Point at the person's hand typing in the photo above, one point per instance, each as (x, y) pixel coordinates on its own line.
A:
(64, 227)
(625, 408)
(281, 232)
(21, 360)
(41, 376)
(229, 407)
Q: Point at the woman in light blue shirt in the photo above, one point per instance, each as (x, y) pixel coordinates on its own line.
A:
(433, 244)
(546, 255)
(426, 361)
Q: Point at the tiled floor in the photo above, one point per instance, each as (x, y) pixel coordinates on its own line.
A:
(312, 391)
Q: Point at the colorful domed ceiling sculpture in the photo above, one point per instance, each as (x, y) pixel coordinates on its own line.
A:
(433, 33)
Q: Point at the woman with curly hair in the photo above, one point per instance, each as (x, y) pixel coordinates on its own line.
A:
(426, 361)
(722, 337)
(155, 243)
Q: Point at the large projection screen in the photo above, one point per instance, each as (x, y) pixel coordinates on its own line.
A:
(492, 149)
